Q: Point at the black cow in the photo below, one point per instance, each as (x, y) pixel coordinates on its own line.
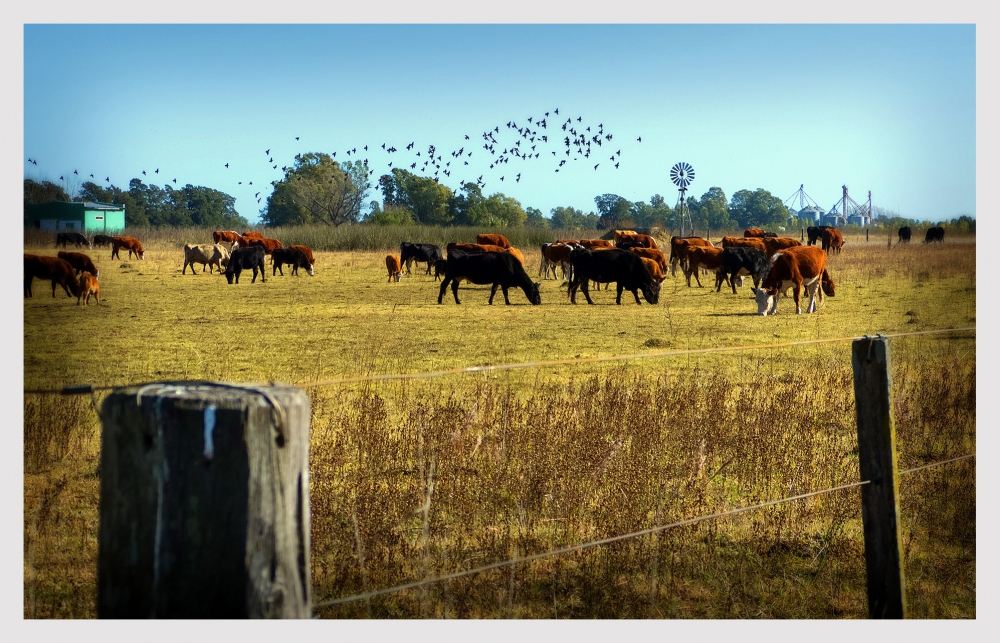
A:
(934, 234)
(737, 262)
(101, 240)
(418, 252)
(244, 259)
(440, 268)
(605, 266)
(71, 237)
(904, 234)
(498, 268)
(291, 256)
(815, 233)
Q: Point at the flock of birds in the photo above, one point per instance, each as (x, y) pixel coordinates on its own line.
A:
(570, 140)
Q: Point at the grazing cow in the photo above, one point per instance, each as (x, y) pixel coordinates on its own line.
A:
(679, 246)
(704, 258)
(774, 244)
(59, 271)
(426, 252)
(555, 256)
(493, 240)
(739, 262)
(795, 267)
(129, 243)
(229, 236)
(245, 259)
(654, 269)
(815, 233)
(654, 254)
(207, 254)
(440, 267)
(101, 240)
(80, 262)
(934, 234)
(394, 267)
(269, 245)
(621, 266)
(308, 252)
(87, 286)
(292, 257)
(593, 244)
(744, 242)
(904, 234)
(62, 238)
(498, 268)
(832, 240)
(621, 235)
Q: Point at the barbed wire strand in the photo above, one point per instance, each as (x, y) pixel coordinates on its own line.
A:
(605, 541)
(90, 388)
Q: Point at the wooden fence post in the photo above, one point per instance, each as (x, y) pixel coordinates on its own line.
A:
(877, 460)
(204, 502)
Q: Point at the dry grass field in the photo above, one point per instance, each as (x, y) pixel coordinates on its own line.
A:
(419, 478)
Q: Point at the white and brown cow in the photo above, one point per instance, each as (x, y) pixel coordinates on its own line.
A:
(207, 254)
(793, 268)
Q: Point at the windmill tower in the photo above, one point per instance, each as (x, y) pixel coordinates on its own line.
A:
(682, 174)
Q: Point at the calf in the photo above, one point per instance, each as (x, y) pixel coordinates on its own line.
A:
(832, 240)
(292, 257)
(59, 271)
(774, 244)
(501, 269)
(935, 234)
(739, 262)
(80, 262)
(129, 243)
(621, 266)
(245, 259)
(904, 234)
(87, 286)
(101, 240)
(207, 254)
(795, 267)
(62, 238)
(394, 267)
(702, 257)
(426, 252)
(815, 233)
(493, 240)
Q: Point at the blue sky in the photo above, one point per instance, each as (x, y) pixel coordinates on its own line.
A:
(886, 108)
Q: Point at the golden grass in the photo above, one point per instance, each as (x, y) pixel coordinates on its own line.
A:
(532, 460)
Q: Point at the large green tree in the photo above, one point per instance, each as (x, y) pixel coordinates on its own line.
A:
(535, 218)
(615, 211)
(317, 189)
(757, 208)
(713, 212)
(572, 219)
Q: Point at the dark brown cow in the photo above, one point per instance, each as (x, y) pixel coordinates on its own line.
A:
(80, 262)
(229, 236)
(554, 256)
(679, 245)
(703, 257)
(53, 268)
(269, 245)
(753, 232)
(129, 243)
(492, 240)
(832, 240)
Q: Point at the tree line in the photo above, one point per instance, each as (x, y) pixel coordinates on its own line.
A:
(316, 189)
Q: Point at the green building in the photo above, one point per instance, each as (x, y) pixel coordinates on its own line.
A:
(83, 217)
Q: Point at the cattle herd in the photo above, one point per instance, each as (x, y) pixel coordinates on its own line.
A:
(633, 262)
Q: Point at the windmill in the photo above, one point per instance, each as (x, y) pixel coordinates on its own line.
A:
(682, 174)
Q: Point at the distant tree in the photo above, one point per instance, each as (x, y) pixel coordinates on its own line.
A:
(426, 198)
(317, 189)
(462, 206)
(965, 223)
(566, 218)
(713, 211)
(615, 211)
(535, 218)
(391, 215)
(168, 206)
(757, 208)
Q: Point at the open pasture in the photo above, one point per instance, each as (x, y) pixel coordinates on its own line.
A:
(520, 462)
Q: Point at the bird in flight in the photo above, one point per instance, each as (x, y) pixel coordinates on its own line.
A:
(227, 166)
(595, 167)
(175, 180)
(108, 179)
(74, 172)
(157, 170)
(639, 139)
(60, 178)
(91, 176)
(144, 172)
(296, 138)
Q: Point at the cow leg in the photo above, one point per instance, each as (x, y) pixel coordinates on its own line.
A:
(797, 291)
(505, 298)
(454, 290)
(27, 284)
(695, 270)
(620, 288)
(635, 293)
(586, 291)
(444, 286)
(493, 292)
(428, 267)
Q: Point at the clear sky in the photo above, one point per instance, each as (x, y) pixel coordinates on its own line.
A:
(886, 108)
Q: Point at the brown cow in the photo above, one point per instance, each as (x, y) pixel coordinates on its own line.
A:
(58, 270)
(229, 236)
(596, 244)
(556, 255)
(394, 267)
(832, 240)
(80, 262)
(129, 243)
(654, 269)
(268, 245)
(795, 267)
(480, 247)
(308, 252)
(621, 235)
(646, 240)
(703, 257)
(678, 246)
(654, 254)
(88, 286)
(775, 244)
(492, 240)
(252, 235)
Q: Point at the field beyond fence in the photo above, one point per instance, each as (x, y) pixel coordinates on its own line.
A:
(416, 479)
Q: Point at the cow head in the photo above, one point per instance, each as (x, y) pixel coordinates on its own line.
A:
(827, 283)
(397, 276)
(767, 300)
(533, 295)
(651, 292)
(309, 269)
(229, 275)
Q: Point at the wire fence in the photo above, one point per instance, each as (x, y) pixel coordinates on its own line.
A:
(613, 539)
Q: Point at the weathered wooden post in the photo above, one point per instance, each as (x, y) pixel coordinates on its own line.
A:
(204, 502)
(802, 234)
(877, 460)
